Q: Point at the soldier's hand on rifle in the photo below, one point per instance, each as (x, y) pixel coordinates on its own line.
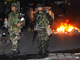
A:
(19, 24)
(5, 19)
(48, 26)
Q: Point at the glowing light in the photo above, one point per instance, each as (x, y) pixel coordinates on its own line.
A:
(44, 3)
(69, 3)
(32, 3)
(51, 3)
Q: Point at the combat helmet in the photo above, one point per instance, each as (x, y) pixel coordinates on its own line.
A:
(39, 5)
(14, 4)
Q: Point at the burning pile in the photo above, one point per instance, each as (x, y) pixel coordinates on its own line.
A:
(66, 28)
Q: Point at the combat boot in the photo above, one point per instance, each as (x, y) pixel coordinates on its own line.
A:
(46, 50)
(17, 51)
(40, 51)
(14, 53)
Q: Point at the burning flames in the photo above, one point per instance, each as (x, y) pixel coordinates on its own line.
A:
(65, 27)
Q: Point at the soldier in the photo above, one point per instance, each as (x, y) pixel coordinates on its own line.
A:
(15, 23)
(43, 23)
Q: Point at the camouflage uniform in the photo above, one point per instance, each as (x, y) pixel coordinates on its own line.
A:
(13, 29)
(42, 35)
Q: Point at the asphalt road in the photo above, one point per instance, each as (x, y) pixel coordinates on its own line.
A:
(58, 42)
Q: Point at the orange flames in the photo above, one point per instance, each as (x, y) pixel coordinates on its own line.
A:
(65, 27)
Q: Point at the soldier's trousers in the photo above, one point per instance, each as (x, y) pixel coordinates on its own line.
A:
(14, 37)
(43, 38)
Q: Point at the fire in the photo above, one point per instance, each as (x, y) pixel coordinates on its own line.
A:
(65, 27)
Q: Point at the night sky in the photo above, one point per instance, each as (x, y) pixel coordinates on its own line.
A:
(74, 3)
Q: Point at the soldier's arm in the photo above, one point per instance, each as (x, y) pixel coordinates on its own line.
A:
(50, 19)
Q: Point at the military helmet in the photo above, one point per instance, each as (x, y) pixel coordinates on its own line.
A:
(14, 4)
(39, 5)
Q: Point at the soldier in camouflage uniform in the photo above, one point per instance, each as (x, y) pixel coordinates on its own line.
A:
(45, 22)
(14, 27)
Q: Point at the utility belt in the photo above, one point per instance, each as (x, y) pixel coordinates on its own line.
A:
(39, 28)
(49, 31)
(15, 28)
